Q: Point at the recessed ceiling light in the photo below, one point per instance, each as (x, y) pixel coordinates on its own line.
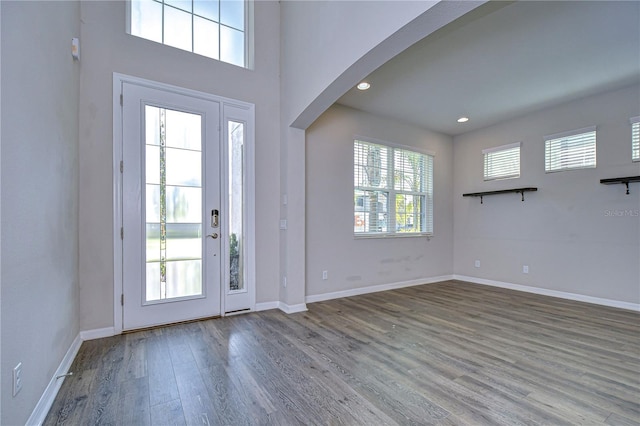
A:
(463, 119)
(363, 85)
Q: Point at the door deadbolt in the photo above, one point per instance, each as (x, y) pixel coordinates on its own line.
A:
(214, 218)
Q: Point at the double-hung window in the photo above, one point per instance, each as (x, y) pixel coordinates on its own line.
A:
(635, 139)
(502, 162)
(393, 190)
(213, 28)
(570, 150)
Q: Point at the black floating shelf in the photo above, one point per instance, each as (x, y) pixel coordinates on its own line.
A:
(502, 191)
(623, 180)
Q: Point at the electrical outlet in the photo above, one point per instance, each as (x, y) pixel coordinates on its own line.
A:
(525, 269)
(284, 282)
(477, 263)
(17, 379)
(325, 275)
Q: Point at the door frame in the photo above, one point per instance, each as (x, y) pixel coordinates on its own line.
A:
(249, 180)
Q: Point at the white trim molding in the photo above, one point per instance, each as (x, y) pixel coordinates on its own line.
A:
(553, 293)
(292, 309)
(240, 110)
(375, 289)
(287, 309)
(43, 406)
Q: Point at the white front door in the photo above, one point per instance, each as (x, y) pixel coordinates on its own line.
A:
(171, 207)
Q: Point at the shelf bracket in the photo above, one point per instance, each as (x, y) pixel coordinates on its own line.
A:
(481, 199)
(623, 180)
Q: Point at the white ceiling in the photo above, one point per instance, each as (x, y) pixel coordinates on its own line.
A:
(507, 59)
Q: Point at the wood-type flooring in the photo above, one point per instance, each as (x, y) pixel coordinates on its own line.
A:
(450, 353)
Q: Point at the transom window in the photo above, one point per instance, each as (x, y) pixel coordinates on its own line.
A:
(502, 162)
(393, 190)
(635, 139)
(212, 28)
(571, 150)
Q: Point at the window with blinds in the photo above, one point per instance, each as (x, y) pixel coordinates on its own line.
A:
(393, 190)
(570, 150)
(502, 162)
(635, 139)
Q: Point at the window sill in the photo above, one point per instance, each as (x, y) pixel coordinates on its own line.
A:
(390, 235)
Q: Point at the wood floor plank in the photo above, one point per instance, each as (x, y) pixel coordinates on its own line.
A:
(195, 399)
(449, 353)
(133, 402)
(168, 413)
(162, 381)
(70, 405)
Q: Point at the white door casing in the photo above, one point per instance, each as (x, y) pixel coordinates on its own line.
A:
(129, 202)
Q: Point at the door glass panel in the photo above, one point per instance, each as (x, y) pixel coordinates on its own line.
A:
(183, 130)
(184, 241)
(152, 164)
(183, 167)
(153, 244)
(184, 278)
(153, 204)
(184, 204)
(173, 200)
(236, 203)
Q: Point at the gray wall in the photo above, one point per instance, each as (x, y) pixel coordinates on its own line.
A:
(106, 48)
(352, 263)
(39, 196)
(327, 46)
(573, 233)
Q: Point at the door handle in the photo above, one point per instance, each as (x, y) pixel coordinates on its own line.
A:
(214, 235)
(214, 218)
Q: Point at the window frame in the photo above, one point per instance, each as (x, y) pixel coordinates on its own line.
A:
(501, 149)
(392, 192)
(248, 56)
(635, 138)
(562, 138)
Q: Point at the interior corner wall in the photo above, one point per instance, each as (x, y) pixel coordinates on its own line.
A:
(575, 234)
(334, 34)
(357, 263)
(40, 85)
(106, 48)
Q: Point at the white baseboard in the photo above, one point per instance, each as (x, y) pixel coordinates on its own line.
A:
(288, 309)
(553, 293)
(292, 309)
(51, 391)
(97, 333)
(375, 288)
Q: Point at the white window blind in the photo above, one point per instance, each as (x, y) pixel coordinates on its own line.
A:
(571, 150)
(502, 162)
(393, 190)
(635, 139)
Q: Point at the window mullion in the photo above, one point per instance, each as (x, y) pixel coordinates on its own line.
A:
(392, 191)
(163, 8)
